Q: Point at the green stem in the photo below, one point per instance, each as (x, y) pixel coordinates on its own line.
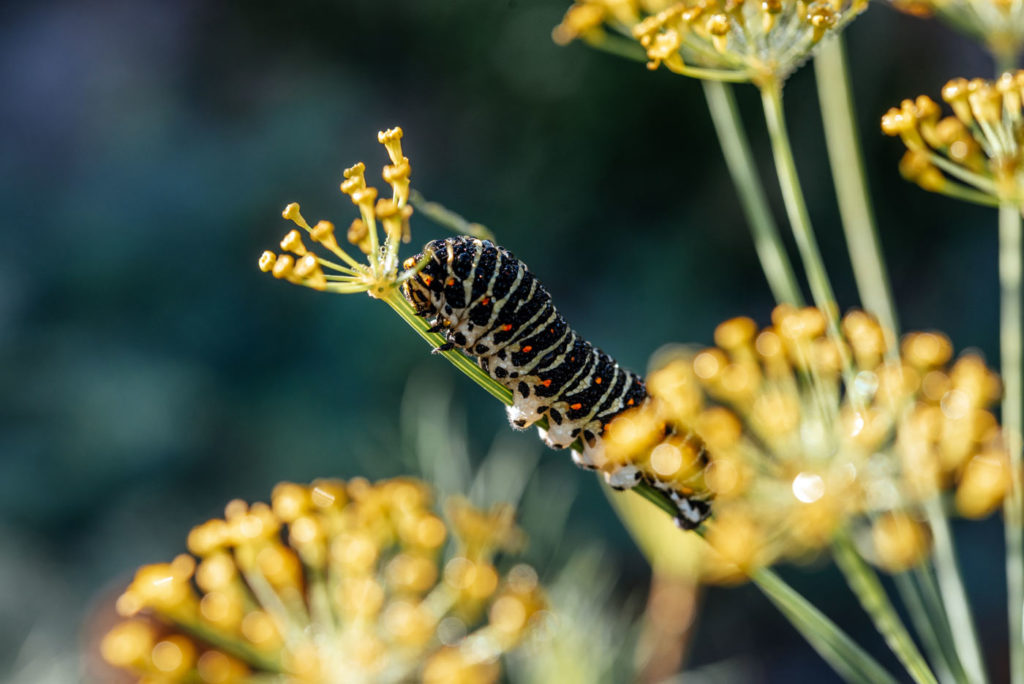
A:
(831, 643)
(844, 156)
(800, 221)
(1010, 349)
(475, 373)
(740, 162)
(447, 218)
(954, 597)
(269, 662)
(913, 600)
(868, 588)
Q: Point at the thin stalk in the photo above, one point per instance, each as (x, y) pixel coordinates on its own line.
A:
(475, 373)
(844, 156)
(1010, 350)
(925, 583)
(740, 162)
(914, 602)
(869, 591)
(831, 643)
(447, 218)
(954, 598)
(799, 219)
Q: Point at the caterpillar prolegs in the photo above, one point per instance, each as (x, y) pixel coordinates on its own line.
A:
(488, 304)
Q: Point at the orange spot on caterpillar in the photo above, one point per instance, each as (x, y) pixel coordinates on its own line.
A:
(546, 383)
(485, 301)
(427, 280)
(506, 327)
(629, 403)
(450, 282)
(527, 349)
(598, 380)
(576, 407)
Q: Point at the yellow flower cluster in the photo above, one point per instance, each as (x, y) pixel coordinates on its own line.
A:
(999, 24)
(975, 153)
(728, 40)
(334, 581)
(380, 274)
(794, 456)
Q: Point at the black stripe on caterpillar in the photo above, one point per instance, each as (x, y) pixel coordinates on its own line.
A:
(488, 304)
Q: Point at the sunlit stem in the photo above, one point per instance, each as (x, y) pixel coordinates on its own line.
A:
(475, 373)
(630, 49)
(327, 263)
(962, 192)
(929, 620)
(954, 597)
(736, 148)
(1010, 350)
(851, 187)
(237, 647)
(959, 172)
(835, 646)
(869, 591)
(447, 218)
(800, 222)
(724, 75)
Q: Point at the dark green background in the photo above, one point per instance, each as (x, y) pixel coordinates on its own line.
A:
(150, 372)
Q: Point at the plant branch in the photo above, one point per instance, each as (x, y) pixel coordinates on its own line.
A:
(869, 591)
(851, 186)
(736, 148)
(800, 221)
(954, 597)
(1010, 349)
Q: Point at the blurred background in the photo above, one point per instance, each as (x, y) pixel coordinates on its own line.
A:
(150, 372)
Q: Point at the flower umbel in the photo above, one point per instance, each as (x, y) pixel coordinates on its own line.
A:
(796, 458)
(974, 154)
(379, 275)
(331, 582)
(725, 40)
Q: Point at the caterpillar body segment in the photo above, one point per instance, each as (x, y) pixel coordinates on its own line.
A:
(488, 304)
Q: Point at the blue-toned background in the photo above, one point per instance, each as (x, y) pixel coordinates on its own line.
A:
(149, 372)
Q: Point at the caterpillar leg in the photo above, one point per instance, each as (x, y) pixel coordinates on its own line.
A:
(521, 416)
(623, 477)
(581, 460)
(692, 512)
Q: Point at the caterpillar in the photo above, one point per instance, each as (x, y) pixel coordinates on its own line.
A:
(489, 305)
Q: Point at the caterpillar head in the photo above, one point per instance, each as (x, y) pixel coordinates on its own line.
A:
(417, 289)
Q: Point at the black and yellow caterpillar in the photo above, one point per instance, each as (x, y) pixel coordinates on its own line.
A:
(488, 304)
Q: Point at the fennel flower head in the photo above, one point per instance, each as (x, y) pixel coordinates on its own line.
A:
(731, 40)
(974, 153)
(332, 582)
(795, 456)
(382, 225)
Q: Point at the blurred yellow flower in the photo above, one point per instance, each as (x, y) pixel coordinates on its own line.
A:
(334, 581)
(795, 456)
